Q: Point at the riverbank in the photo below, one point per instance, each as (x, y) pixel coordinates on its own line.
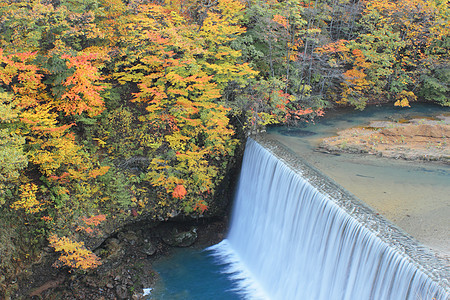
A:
(415, 139)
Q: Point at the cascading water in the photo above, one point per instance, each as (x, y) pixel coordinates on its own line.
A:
(289, 240)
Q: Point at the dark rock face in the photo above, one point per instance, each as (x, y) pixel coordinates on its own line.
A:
(177, 238)
(127, 257)
(114, 249)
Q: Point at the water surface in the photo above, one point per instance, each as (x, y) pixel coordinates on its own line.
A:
(191, 274)
(415, 195)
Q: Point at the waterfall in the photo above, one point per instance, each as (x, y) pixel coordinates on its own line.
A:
(290, 240)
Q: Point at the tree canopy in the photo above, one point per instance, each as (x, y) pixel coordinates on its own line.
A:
(108, 106)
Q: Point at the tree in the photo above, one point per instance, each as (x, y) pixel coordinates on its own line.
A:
(399, 38)
(180, 77)
(74, 254)
(44, 171)
(13, 158)
(396, 44)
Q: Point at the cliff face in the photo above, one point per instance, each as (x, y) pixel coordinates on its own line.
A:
(130, 239)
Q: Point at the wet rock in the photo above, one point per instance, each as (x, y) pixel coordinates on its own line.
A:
(180, 239)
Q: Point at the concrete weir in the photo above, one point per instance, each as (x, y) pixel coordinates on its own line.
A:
(296, 234)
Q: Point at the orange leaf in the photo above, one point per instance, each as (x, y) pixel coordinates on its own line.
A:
(179, 192)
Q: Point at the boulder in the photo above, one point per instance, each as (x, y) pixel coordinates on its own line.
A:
(148, 248)
(176, 238)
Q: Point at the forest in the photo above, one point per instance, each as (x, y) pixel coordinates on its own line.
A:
(117, 109)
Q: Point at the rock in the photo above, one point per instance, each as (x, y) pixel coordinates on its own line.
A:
(109, 285)
(129, 236)
(137, 296)
(180, 239)
(148, 248)
(425, 130)
(91, 282)
(48, 285)
(121, 292)
(416, 140)
(114, 248)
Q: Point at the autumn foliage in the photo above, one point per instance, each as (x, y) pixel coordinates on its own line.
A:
(90, 224)
(179, 192)
(114, 109)
(399, 47)
(74, 254)
(82, 87)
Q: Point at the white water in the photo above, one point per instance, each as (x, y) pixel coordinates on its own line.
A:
(288, 241)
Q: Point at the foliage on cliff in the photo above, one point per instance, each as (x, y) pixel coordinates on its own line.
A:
(110, 109)
(119, 108)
